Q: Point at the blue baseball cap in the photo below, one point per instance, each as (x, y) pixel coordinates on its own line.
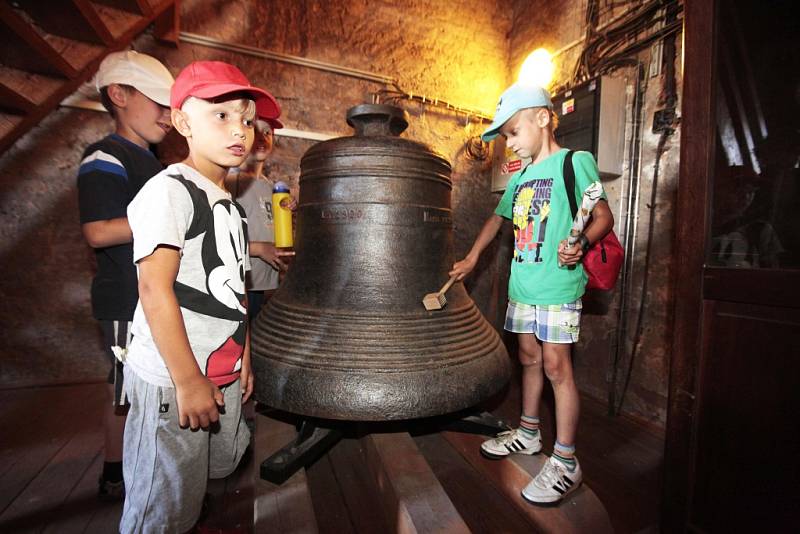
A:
(513, 99)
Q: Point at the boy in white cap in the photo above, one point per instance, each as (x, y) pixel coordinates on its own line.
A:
(546, 283)
(188, 366)
(134, 88)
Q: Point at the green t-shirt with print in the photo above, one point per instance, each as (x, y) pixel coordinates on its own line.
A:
(535, 200)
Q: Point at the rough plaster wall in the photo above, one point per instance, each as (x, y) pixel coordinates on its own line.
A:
(554, 25)
(449, 50)
(547, 24)
(48, 334)
(455, 50)
(647, 394)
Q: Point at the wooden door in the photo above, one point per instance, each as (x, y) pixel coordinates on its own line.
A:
(732, 459)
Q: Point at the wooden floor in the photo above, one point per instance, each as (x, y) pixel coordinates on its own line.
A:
(50, 459)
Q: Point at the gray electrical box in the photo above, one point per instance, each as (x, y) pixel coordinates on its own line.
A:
(591, 118)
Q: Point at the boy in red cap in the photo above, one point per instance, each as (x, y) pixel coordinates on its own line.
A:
(188, 366)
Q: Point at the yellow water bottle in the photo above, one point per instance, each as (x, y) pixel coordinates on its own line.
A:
(282, 215)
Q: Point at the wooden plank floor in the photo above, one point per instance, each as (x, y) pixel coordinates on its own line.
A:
(481, 506)
(621, 459)
(51, 457)
(342, 476)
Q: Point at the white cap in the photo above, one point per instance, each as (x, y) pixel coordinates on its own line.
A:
(145, 73)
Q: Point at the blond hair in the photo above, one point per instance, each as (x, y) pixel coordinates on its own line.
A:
(552, 125)
(247, 106)
(553, 120)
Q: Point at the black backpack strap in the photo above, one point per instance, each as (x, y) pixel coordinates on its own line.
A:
(569, 183)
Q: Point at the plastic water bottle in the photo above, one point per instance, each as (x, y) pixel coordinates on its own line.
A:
(282, 215)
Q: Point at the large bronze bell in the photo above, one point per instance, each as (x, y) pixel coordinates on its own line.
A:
(346, 335)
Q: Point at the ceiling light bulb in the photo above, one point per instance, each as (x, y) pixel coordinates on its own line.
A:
(537, 69)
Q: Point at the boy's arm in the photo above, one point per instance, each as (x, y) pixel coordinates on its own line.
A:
(197, 397)
(103, 197)
(602, 222)
(267, 250)
(246, 375)
(490, 228)
(269, 253)
(107, 233)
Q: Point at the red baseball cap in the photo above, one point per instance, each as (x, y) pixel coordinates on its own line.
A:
(210, 79)
(275, 124)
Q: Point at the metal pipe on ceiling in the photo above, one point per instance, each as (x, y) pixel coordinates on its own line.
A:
(211, 42)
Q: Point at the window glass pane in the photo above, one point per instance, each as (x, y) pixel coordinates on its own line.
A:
(756, 194)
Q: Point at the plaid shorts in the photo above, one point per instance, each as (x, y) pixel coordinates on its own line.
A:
(559, 323)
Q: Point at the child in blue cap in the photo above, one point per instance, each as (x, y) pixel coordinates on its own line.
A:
(546, 283)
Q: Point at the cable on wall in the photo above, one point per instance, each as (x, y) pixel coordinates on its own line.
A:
(621, 37)
(669, 99)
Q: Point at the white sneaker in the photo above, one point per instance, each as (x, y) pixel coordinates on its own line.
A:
(553, 483)
(511, 442)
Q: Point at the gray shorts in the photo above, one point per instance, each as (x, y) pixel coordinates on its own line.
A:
(167, 467)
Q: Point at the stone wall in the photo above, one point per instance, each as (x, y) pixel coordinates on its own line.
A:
(455, 51)
(48, 334)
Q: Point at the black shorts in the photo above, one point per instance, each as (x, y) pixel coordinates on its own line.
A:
(116, 334)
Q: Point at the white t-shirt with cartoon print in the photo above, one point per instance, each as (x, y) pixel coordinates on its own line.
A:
(181, 208)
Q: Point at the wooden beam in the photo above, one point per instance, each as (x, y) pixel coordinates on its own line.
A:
(12, 101)
(579, 512)
(412, 496)
(94, 20)
(8, 123)
(698, 137)
(167, 26)
(70, 86)
(139, 7)
(355, 484)
(53, 60)
(66, 19)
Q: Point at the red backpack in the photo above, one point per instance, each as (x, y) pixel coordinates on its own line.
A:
(603, 260)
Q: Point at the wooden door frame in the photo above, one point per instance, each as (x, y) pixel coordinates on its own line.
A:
(692, 218)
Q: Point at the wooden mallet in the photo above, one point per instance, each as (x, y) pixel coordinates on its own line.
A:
(437, 301)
